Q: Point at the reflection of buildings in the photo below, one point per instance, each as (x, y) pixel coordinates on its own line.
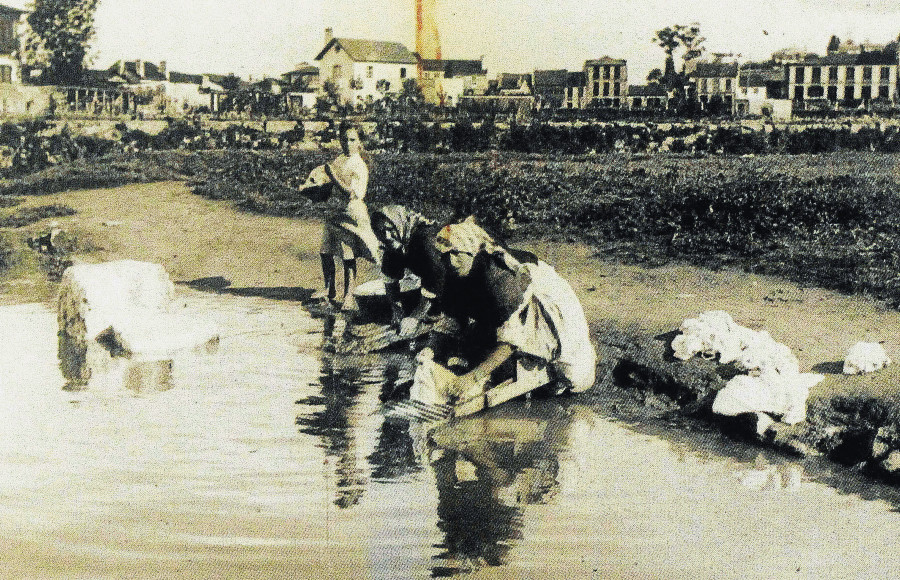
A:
(492, 466)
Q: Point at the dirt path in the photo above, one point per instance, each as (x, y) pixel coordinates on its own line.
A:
(197, 238)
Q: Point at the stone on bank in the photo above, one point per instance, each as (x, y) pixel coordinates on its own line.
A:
(118, 325)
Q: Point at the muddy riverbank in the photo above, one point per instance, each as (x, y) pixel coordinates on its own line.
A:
(632, 310)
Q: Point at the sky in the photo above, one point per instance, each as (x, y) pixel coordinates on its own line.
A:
(268, 37)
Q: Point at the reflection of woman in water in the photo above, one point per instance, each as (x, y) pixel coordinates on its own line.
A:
(490, 467)
(348, 232)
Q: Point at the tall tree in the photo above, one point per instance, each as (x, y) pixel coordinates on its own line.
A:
(61, 31)
(691, 41)
(834, 44)
(667, 39)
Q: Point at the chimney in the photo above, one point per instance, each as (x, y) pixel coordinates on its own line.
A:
(139, 68)
(329, 34)
(162, 69)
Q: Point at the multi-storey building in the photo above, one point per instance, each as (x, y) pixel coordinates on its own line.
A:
(444, 81)
(606, 82)
(715, 84)
(844, 79)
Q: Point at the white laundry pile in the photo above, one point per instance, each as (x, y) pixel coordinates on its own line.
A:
(773, 384)
(865, 357)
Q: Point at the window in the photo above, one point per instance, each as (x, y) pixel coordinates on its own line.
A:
(851, 74)
(885, 75)
(616, 89)
(867, 74)
(848, 93)
(883, 92)
(816, 75)
(403, 72)
(798, 93)
(832, 93)
(832, 73)
(727, 85)
(5, 73)
(617, 72)
(702, 85)
(605, 89)
(816, 91)
(596, 89)
(596, 71)
(369, 71)
(866, 93)
(798, 74)
(336, 72)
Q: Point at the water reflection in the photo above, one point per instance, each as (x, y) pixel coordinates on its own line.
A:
(488, 468)
(97, 366)
(352, 387)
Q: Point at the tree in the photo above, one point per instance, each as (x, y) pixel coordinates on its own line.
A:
(667, 39)
(655, 76)
(834, 44)
(685, 37)
(61, 31)
(691, 42)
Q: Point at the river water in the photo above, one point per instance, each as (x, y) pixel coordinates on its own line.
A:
(270, 458)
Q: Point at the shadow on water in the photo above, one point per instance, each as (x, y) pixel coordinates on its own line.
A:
(221, 285)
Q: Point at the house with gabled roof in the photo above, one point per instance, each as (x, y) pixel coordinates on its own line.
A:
(444, 81)
(550, 87)
(363, 70)
(650, 97)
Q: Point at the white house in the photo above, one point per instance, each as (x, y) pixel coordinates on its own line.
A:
(444, 81)
(363, 71)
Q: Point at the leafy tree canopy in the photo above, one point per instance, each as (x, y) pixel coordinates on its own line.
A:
(61, 31)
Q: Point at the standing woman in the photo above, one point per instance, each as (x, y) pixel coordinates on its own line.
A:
(348, 231)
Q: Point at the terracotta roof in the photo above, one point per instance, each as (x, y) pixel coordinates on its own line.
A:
(846, 59)
(646, 91)
(511, 81)
(4, 9)
(761, 77)
(576, 79)
(177, 77)
(715, 70)
(361, 50)
(452, 68)
(551, 78)
(131, 75)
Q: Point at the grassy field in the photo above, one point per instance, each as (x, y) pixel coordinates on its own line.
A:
(830, 220)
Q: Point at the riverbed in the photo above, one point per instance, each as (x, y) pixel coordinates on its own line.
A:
(271, 457)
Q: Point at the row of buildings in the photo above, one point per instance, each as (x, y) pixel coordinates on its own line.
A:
(849, 76)
(359, 72)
